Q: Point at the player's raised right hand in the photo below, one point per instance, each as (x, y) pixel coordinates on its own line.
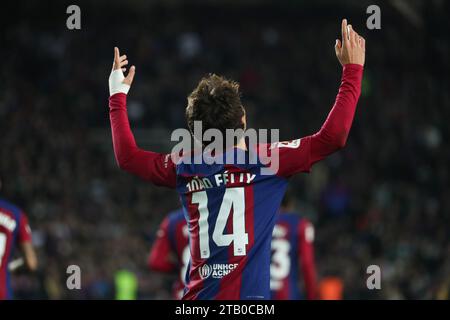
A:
(117, 81)
(352, 48)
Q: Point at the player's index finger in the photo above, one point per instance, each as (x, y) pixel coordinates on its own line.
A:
(116, 53)
(344, 30)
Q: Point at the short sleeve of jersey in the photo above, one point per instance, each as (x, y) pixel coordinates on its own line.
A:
(24, 232)
(161, 254)
(290, 157)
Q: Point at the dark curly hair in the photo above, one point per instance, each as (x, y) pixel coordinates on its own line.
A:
(216, 101)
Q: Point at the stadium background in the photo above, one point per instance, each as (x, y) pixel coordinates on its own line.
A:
(383, 200)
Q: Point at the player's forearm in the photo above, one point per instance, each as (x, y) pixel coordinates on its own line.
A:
(159, 265)
(123, 140)
(31, 260)
(148, 165)
(334, 132)
(159, 257)
(306, 256)
(309, 271)
(309, 277)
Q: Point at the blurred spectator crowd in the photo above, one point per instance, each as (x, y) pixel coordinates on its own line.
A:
(384, 199)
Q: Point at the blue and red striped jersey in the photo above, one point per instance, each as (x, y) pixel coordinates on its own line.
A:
(292, 253)
(230, 211)
(14, 229)
(170, 251)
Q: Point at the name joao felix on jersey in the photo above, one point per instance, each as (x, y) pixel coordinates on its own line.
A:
(229, 179)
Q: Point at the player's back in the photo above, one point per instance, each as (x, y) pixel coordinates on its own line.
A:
(230, 213)
(12, 221)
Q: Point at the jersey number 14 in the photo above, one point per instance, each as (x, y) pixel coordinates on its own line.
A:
(233, 199)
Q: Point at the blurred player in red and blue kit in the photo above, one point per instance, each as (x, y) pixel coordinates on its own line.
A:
(14, 232)
(170, 251)
(292, 252)
(230, 206)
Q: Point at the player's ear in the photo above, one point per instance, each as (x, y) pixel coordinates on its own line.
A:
(244, 122)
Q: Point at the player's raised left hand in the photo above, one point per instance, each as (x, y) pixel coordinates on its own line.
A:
(117, 81)
(352, 47)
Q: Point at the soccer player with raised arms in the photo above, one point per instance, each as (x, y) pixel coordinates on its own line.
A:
(230, 207)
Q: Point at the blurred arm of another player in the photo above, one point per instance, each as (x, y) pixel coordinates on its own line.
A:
(306, 257)
(161, 257)
(155, 167)
(29, 256)
(26, 248)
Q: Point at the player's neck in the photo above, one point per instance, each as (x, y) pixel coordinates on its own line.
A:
(241, 144)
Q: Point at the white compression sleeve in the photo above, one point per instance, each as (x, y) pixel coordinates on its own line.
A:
(115, 82)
